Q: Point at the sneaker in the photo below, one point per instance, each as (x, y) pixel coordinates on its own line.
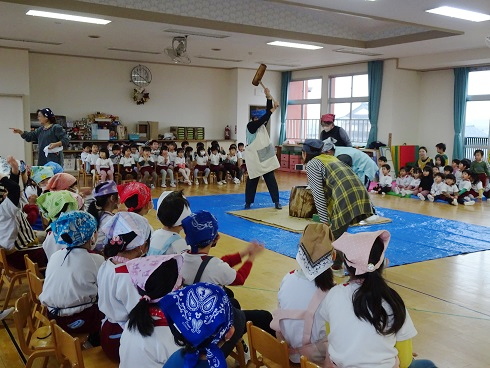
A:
(188, 182)
(223, 181)
(383, 193)
(397, 190)
(431, 197)
(7, 312)
(372, 219)
(469, 203)
(205, 180)
(172, 184)
(247, 206)
(220, 182)
(455, 202)
(152, 186)
(196, 182)
(163, 185)
(278, 206)
(373, 191)
(236, 180)
(421, 196)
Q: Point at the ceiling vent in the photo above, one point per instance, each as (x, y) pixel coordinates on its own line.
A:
(219, 59)
(195, 33)
(363, 52)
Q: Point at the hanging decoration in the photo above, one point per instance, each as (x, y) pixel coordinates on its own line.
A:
(140, 96)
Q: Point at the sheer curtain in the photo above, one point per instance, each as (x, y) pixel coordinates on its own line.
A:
(460, 94)
(375, 82)
(285, 79)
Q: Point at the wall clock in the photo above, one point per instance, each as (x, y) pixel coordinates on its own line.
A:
(141, 76)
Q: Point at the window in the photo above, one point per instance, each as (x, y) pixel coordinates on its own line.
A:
(303, 111)
(477, 120)
(348, 100)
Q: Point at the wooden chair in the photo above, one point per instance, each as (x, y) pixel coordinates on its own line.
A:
(34, 342)
(270, 349)
(9, 277)
(305, 363)
(239, 354)
(33, 267)
(69, 351)
(82, 173)
(39, 311)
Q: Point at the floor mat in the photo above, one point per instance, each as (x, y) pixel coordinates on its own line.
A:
(414, 237)
(281, 219)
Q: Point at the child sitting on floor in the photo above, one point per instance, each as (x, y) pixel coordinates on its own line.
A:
(426, 182)
(385, 181)
(172, 209)
(413, 187)
(464, 189)
(403, 180)
(450, 192)
(437, 187)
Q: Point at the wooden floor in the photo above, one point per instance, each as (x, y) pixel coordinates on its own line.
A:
(448, 299)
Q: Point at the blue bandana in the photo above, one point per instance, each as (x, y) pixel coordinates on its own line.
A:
(47, 112)
(74, 229)
(55, 166)
(40, 173)
(200, 228)
(202, 313)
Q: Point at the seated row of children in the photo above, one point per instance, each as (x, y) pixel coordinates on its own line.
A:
(148, 162)
(99, 282)
(460, 183)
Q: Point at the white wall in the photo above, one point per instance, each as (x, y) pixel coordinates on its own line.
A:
(14, 90)
(179, 95)
(436, 117)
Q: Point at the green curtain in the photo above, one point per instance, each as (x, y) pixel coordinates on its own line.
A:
(460, 94)
(285, 79)
(375, 82)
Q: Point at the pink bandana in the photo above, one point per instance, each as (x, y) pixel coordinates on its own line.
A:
(140, 269)
(61, 181)
(357, 248)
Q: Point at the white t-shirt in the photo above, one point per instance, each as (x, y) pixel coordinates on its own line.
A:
(160, 238)
(458, 175)
(453, 189)
(146, 162)
(163, 161)
(232, 159)
(104, 163)
(201, 161)
(403, 181)
(92, 158)
(414, 183)
(437, 188)
(465, 184)
(135, 156)
(385, 180)
(127, 161)
(117, 293)
(241, 155)
(477, 187)
(214, 158)
(8, 226)
(146, 352)
(172, 156)
(71, 283)
(101, 241)
(216, 271)
(179, 161)
(296, 292)
(353, 342)
(84, 156)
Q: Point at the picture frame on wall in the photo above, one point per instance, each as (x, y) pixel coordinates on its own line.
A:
(256, 111)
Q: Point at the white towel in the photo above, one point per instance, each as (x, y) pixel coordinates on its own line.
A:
(53, 150)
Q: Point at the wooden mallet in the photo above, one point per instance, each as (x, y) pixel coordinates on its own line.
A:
(258, 79)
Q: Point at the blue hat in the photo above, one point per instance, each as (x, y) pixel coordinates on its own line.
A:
(57, 169)
(201, 314)
(47, 112)
(312, 146)
(74, 229)
(40, 173)
(200, 228)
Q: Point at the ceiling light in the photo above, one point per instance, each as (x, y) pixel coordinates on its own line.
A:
(75, 18)
(449, 11)
(295, 45)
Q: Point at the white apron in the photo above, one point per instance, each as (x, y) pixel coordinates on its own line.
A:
(261, 155)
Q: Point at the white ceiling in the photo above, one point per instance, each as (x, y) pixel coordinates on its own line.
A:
(391, 28)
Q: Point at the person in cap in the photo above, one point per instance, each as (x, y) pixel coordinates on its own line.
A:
(369, 323)
(57, 168)
(18, 237)
(297, 319)
(40, 175)
(172, 208)
(201, 233)
(208, 307)
(147, 340)
(136, 197)
(261, 156)
(127, 237)
(70, 287)
(330, 130)
(50, 136)
(339, 195)
(106, 201)
(52, 205)
(360, 162)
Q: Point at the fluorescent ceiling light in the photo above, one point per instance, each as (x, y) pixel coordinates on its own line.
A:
(295, 45)
(75, 18)
(449, 11)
